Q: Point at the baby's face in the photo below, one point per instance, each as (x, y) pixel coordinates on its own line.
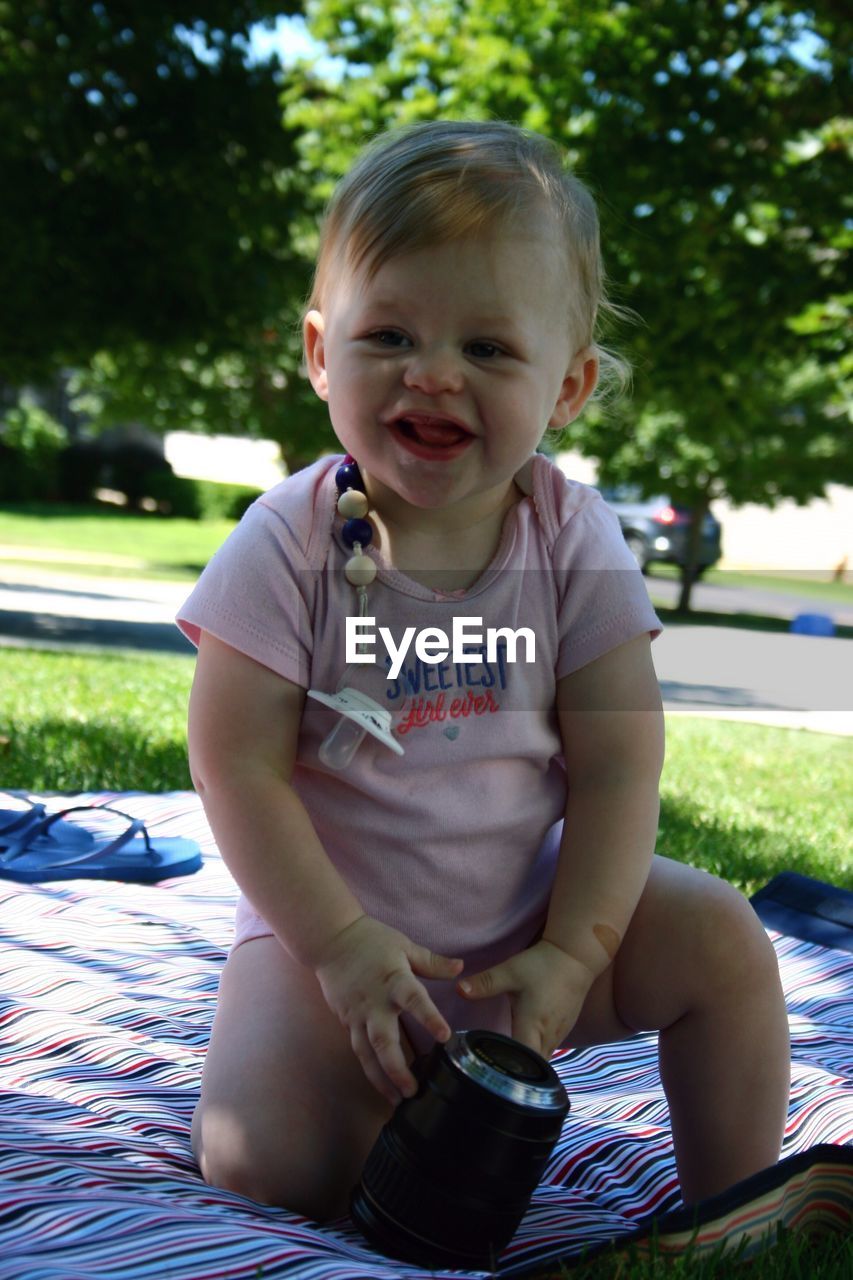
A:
(444, 369)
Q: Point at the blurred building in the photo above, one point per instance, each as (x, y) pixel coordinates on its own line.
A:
(817, 537)
(226, 459)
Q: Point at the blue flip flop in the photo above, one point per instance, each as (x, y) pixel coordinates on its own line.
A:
(33, 854)
(60, 835)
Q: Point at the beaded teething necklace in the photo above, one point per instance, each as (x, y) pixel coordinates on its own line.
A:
(357, 531)
(359, 713)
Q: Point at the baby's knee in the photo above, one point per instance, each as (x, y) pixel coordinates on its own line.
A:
(228, 1172)
(735, 948)
(229, 1161)
(266, 1170)
(224, 1160)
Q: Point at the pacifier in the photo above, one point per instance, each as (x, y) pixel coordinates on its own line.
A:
(359, 714)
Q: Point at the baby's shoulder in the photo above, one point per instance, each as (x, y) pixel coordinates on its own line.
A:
(301, 508)
(578, 527)
(557, 499)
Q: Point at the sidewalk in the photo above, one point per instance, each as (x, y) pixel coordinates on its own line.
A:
(779, 679)
(41, 608)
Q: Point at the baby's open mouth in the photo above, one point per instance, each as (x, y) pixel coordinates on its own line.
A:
(434, 432)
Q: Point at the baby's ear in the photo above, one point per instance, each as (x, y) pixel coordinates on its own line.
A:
(314, 342)
(578, 385)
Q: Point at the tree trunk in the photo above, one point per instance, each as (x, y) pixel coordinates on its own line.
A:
(690, 569)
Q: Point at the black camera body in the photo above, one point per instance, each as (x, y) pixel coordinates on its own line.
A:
(452, 1172)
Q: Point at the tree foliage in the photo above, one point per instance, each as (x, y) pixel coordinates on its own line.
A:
(715, 139)
(159, 220)
(146, 198)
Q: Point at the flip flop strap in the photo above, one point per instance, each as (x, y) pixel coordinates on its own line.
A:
(25, 819)
(135, 826)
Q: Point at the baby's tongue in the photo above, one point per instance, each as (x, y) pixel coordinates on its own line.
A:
(437, 432)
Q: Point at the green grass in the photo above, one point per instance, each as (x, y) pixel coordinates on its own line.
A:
(741, 800)
(80, 722)
(746, 801)
(120, 543)
(792, 1257)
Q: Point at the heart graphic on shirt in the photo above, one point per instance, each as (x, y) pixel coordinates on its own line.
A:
(452, 732)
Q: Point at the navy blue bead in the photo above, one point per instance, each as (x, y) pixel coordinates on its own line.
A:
(348, 476)
(356, 530)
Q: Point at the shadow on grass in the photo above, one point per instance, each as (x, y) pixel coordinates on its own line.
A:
(66, 632)
(64, 755)
(747, 856)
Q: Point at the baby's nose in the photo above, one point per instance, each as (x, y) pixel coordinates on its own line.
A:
(434, 371)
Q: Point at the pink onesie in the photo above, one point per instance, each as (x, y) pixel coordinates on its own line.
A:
(455, 841)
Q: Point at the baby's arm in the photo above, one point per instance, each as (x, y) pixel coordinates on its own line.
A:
(611, 722)
(243, 732)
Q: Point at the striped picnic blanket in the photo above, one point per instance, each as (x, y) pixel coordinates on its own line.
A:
(107, 993)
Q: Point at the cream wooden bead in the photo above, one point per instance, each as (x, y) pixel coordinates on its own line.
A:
(360, 570)
(353, 504)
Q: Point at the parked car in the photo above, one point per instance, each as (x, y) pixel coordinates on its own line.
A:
(657, 529)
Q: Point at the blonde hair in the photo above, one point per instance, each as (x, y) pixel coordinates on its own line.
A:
(445, 180)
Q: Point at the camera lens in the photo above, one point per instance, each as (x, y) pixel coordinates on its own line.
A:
(452, 1172)
(514, 1060)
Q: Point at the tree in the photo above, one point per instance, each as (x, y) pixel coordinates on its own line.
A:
(715, 138)
(148, 196)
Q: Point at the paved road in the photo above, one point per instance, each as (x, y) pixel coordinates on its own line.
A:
(775, 678)
(772, 678)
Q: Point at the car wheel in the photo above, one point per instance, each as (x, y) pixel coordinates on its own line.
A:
(637, 546)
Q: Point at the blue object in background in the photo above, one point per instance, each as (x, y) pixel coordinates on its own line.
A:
(813, 624)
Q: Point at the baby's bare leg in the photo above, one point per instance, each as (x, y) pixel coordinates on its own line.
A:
(286, 1115)
(697, 965)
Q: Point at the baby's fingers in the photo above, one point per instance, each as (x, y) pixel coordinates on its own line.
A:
(411, 997)
(381, 1056)
(529, 1031)
(428, 964)
(497, 981)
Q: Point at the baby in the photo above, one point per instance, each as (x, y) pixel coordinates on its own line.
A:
(486, 857)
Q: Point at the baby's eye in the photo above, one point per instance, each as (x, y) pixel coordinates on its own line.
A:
(484, 350)
(388, 337)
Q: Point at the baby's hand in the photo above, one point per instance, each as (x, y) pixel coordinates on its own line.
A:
(547, 988)
(367, 979)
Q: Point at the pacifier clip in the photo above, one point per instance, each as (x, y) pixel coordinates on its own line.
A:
(359, 713)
